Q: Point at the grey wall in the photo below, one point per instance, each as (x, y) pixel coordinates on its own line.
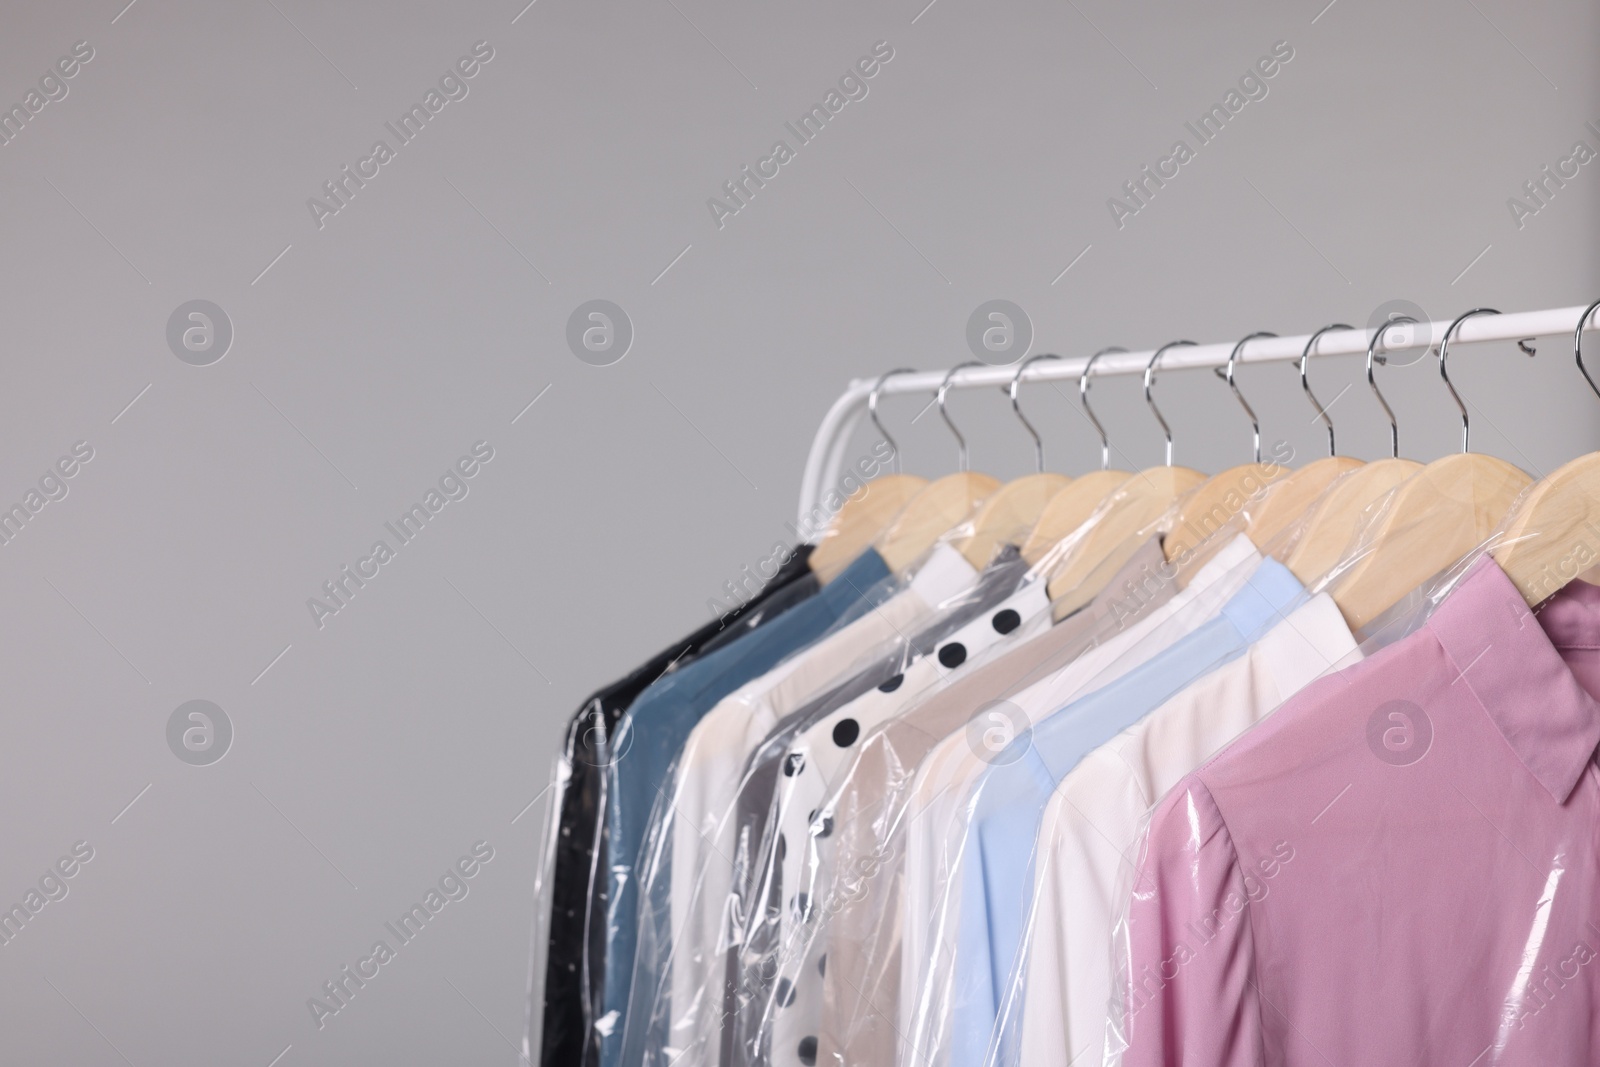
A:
(372, 351)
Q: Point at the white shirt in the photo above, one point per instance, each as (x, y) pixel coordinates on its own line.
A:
(1092, 827)
(823, 753)
(935, 818)
(708, 779)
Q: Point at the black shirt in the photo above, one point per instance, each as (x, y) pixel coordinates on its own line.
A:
(574, 969)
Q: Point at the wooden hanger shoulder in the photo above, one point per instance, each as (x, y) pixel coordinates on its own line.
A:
(1292, 497)
(1334, 519)
(1218, 501)
(1106, 546)
(1009, 514)
(929, 514)
(859, 521)
(1168, 482)
(1554, 536)
(1070, 509)
(1431, 521)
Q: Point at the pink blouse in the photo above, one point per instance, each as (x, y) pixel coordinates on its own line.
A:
(1399, 867)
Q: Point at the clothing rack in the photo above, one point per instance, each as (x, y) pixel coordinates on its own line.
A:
(826, 461)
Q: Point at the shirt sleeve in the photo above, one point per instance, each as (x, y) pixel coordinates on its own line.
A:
(1187, 983)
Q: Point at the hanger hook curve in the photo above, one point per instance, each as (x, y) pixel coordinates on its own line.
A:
(1149, 380)
(944, 388)
(1444, 372)
(1083, 398)
(1577, 345)
(872, 412)
(1038, 445)
(1227, 375)
(1305, 382)
(1372, 382)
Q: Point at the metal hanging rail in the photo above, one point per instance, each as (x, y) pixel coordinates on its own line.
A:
(825, 464)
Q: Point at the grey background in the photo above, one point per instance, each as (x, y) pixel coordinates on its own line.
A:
(431, 311)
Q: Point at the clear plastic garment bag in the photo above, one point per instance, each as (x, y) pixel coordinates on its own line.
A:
(1272, 768)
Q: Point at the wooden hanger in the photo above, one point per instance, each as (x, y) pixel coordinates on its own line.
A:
(1070, 509)
(1435, 517)
(1134, 508)
(1232, 494)
(941, 504)
(1011, 513)
(1554, 536)
(1293, 496)
(1336, 516)
(864, 516)
(859, 521)
(1073, 506)
(1430, 521)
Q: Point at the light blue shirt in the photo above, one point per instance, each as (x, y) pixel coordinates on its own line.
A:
(1010, 799)
(651, 735)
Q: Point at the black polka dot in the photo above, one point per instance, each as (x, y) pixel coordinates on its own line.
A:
(845, 732)
(953, 655)
(822, 964)
(793, 764)
(783, 847)
(892, 684)
(785, 993)
(820, 827)
(1006, 621)
(800, 905)
(808, 1051)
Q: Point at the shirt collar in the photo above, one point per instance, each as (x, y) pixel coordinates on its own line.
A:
(1506, 657)
(943, 576)
(1266, 598)
(1147, 581)
(1571, 618)
(1139, 579)
(1240, 550)
(1311, 642)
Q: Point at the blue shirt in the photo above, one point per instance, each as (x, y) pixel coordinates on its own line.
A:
(650, 736)
(1010, 799)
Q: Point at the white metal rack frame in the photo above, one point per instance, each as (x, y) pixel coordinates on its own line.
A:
(825, 464)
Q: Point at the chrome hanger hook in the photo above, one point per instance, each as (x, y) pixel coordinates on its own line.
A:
(1149, 380)
(1083, 398)
(944, 388)
(1227, 375)
(1038, 445)
(872, 412)
(1372, 357)
(1444, 372)
(1577, 346)
(1305, 382)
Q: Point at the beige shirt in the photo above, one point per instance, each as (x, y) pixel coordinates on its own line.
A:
(824, 754)
(866, 807)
